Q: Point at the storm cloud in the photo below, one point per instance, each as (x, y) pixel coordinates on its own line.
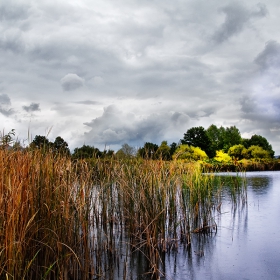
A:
(5, 105)
(139, 71)
(270, 56)
(236, 18)
(116, 127)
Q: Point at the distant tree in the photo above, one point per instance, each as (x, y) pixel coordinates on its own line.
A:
(198, 137)
(231, 136)
(245, 142)
(148, 151)
(163, 152)
(258, 140)
(237, 151)
(173, 147)
(187, 152)
(61, 146)
(126, 151)
(216, 137)
(107, 153)
(120, 154)
(41, 142)
(86, 151)
(258, 152)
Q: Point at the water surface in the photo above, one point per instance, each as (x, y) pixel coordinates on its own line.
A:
(247, 242)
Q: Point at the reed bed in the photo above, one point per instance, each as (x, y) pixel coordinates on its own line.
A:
(65, 219)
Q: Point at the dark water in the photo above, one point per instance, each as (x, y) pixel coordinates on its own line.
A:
(247, 242)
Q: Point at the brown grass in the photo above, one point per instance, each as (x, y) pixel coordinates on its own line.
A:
(63, 219)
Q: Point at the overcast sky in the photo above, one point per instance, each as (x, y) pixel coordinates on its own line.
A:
(108, 72)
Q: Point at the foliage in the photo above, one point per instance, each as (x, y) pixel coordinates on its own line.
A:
(126, 151)
(237, 151)
(216, 137)
(148, 151)
(231, 136)
(222, 157)
(189, 153)
(223, 138)
(163, 152)
(40, 142)
(86, 151)
(258, 140)
(198, 137)
(173, 147)
(58, 146)
(7, 140)
(257, 152)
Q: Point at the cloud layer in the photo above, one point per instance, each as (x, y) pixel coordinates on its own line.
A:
(108, 73)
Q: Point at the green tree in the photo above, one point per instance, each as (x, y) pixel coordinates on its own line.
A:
(41, 142)
(216, 137)
(246, 142)
(61, 146)
(258, 140)
(231, 136)
(173, 147)
(198, 137)
(148, 151)
(107, 153)
(85, 152)
(163, 152)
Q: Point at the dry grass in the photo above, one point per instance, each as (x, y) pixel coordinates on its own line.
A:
(61, 219)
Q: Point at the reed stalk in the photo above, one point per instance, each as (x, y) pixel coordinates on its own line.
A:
(65, 219)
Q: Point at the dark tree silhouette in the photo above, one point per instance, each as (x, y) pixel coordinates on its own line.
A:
(198, 137)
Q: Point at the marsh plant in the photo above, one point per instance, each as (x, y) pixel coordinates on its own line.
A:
(65, 219)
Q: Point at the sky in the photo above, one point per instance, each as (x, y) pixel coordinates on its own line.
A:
(108, 72)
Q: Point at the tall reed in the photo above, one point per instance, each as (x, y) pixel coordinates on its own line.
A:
(64, 219)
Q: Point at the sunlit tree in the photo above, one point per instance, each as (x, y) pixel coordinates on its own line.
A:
(222, 157)
(189, 153)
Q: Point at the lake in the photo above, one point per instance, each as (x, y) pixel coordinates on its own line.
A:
(247, 242)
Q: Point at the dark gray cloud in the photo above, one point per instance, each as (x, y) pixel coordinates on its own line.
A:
(116, 127)
(11, 11)
(262, 117)
(71, 82)
(236, 18)
(11, 40)
(33, 107)
(5, 105)
(5, 99)
(270, 56)
(260, 10)
(248, 105)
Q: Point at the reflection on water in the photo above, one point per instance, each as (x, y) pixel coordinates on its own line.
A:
(247, 242)
(260, 184)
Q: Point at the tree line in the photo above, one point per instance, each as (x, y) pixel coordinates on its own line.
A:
(216, 143)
